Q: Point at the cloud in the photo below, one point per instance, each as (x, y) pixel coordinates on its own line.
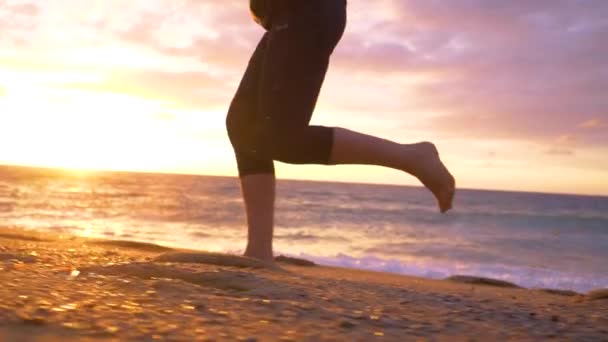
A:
(594, 123)
(19, 9)
(358, 55)
(516, 69)
(224, 40)
(567, 139)
(563, 145)
(26, 9)
(16, 20)
(557, 151)
(178, 89)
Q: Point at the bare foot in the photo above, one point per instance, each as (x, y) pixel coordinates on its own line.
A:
(434, 175)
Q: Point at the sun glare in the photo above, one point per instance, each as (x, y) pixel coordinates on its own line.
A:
(83, 130)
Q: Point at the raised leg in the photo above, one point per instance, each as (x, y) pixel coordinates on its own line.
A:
(420, 160)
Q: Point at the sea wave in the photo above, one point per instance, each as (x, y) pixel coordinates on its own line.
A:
(523, 276)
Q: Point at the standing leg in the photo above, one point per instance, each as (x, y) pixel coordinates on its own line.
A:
(259, 194)
(256, 172)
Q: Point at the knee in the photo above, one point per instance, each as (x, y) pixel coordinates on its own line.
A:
(283, 145)
(306, 145)
(231, 115)
(230, 124)
(233, 124)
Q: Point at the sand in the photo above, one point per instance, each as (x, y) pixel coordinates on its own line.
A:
(66, 288)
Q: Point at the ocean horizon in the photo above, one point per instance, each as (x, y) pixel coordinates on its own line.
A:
(537, 240)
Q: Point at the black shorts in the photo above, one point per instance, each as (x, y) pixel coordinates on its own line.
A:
(270, 113)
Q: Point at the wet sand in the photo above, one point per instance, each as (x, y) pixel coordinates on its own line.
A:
(66, 288)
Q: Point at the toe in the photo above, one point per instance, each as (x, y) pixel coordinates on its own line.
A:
(445, 202)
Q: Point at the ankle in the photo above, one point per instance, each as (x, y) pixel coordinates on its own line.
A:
(414, 154)
(409, 157)
(263, 253)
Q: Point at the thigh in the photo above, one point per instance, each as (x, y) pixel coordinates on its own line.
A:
(245, 102)
(243, 112)
(293, 71)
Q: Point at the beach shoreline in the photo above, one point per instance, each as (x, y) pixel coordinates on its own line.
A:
(59, 287)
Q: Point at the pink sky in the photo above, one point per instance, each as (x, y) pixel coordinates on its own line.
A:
(514, 93)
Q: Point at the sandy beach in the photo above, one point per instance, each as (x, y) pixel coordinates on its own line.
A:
(67, 288)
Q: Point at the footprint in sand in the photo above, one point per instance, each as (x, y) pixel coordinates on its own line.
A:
(481, 281)
(22, 237)
(141, 246)
(224, 280)
(212, 259)
(598, 294)
(27, 259)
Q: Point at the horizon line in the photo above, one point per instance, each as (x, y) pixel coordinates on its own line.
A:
(159, 172)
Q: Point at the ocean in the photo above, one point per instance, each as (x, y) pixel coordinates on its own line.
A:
(534, 240)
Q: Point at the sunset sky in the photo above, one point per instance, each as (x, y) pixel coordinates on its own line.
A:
(514, 93)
